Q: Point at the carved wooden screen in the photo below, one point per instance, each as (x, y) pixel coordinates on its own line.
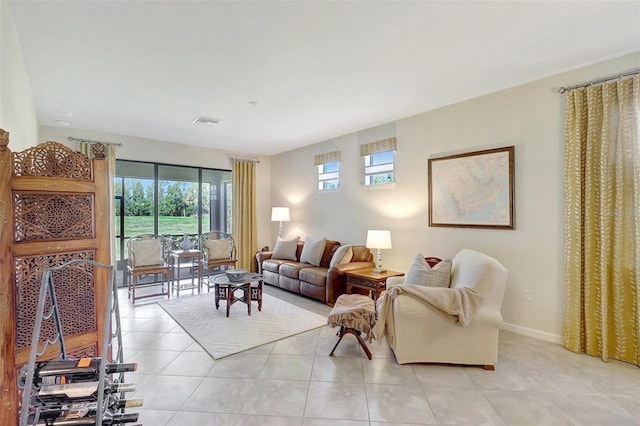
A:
(54, 207)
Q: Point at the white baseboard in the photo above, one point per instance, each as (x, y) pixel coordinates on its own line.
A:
(542, 335)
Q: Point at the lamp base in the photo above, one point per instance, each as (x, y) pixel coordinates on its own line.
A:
(378, 270)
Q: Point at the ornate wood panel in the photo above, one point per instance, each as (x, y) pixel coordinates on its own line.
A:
(54, 207)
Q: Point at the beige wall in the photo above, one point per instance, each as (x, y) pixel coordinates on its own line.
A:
(530, 117)
(134, 148)
(17, 109)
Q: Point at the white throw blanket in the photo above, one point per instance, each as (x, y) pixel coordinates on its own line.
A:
(461, 303)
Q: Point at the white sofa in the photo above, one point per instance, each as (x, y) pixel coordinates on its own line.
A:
(425, 334)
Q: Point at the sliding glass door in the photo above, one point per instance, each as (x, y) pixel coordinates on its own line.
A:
(168, 200)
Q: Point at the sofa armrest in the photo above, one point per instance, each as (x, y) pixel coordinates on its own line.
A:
(338, 271)
(351, 266)
(262, 256)
(336, 278)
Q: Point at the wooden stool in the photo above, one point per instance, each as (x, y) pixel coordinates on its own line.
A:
(354, 314)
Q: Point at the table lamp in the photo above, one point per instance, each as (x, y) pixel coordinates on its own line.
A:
(280, 214)
(378, 239)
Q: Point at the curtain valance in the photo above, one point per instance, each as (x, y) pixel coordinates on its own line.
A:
(378, 146)
(327, 157)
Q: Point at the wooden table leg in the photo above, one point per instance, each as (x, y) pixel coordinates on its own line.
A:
(229, 299)
(247, 296)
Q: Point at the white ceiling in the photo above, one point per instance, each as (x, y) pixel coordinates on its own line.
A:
(318, 69)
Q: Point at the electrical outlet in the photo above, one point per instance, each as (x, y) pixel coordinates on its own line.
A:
(527, 295)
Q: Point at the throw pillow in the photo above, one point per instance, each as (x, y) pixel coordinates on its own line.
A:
(312, 250)
(147, 252)
(344, 254)
(218, 249)
(422, 274)
(285, 249)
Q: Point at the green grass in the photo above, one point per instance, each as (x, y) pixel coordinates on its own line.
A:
(167, 225)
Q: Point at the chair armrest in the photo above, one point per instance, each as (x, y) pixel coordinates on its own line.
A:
(393, 281)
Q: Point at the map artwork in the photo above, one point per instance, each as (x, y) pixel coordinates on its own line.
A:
(472, 189)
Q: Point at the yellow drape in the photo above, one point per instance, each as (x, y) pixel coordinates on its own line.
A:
(243, 192)
(602, 221)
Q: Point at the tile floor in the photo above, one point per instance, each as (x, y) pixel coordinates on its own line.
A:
(295, 382)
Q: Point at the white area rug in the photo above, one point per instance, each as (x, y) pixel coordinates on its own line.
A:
(221, 336)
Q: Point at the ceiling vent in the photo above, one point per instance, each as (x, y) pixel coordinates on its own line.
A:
(207, 121)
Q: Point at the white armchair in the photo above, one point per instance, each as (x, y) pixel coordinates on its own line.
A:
(425, 334)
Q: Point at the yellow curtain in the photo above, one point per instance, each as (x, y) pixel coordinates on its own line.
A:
(243, 193)
(602, 221)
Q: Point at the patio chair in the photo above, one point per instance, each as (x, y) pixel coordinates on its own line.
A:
(218, 254)
(148, 254)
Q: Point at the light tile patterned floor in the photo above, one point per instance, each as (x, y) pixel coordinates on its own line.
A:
(294, 381)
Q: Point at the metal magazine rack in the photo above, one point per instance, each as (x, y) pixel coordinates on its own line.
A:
(48, 310)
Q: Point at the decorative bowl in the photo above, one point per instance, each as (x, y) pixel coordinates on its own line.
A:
(235, 274)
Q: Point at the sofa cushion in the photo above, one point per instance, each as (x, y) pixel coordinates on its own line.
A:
(292, 269)
(329, 250)
(315, 276)
(288, 283)
(312, 250)
(313, 291)
(422, 274)
(271, 278)
(273, 265)
(342, 255)
(285, 249)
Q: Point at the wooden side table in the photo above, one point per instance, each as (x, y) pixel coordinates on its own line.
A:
(187, 259)
(369, 280)
(251, 286)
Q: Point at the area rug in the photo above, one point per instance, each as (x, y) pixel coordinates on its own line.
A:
(221, 336)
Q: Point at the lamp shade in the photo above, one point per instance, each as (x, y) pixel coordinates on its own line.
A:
(280, 214)
(378, 239)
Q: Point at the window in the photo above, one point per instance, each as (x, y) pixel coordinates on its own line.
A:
(168, 200)
(378, 168)
(379, 162)
(328, 166)
(329, 176)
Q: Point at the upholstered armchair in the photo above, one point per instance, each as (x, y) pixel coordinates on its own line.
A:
(218, 252)
(148, 254)
(425, 334)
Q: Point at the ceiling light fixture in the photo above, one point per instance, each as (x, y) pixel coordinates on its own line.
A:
(64, 113)
(206, 121)
(63, 123)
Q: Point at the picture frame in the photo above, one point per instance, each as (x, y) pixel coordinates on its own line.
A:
(473, 189)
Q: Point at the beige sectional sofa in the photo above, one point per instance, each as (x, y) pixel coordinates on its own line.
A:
(323, 282)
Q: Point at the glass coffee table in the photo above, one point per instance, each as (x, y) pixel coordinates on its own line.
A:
(250, 286)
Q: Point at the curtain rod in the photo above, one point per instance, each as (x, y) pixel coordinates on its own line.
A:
(243, 158)
(600, 80)
(90, 141)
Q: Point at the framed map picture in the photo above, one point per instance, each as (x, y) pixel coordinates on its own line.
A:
(473, 190)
